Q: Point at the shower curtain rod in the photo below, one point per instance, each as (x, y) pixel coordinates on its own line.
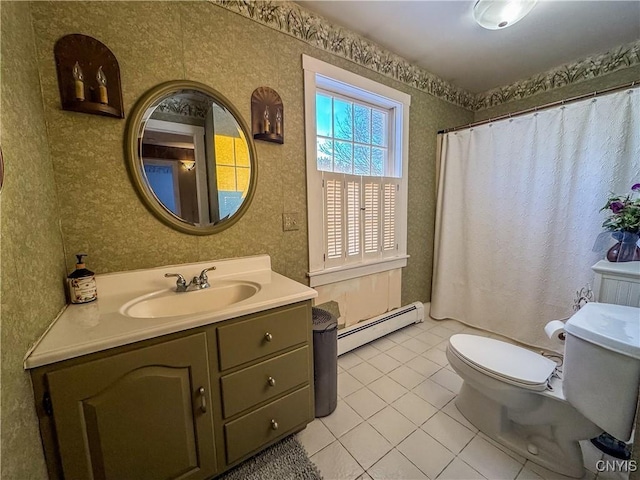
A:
(635, 83)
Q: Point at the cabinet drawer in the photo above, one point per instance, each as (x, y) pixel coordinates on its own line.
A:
(248, 387)
(262, 335)
(252, 431)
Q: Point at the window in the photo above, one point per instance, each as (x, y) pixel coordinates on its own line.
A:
(233, 169)
(357, 135)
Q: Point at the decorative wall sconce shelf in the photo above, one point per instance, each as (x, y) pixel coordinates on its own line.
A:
(93, 107)
(267, 115)
(268, 137)
(88, 76)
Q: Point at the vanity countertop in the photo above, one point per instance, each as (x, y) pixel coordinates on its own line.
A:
(100, 325)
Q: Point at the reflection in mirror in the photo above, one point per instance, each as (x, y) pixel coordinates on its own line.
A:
(193, 159)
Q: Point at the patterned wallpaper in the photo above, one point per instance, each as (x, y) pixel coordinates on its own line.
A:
(32, 253)
(309, 27)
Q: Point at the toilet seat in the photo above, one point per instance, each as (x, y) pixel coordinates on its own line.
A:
(503, 361)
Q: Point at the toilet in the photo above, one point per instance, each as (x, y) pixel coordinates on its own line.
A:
(540, 410)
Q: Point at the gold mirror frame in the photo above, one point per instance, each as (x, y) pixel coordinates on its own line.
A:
(136, 168)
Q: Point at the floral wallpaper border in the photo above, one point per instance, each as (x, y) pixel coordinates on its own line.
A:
(586, 69)
(184, 107)
(315, 30)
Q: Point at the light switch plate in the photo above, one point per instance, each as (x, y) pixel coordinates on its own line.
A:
(290, 222)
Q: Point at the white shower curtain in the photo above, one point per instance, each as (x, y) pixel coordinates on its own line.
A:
(518, 211)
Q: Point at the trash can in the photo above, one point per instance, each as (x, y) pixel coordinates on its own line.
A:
(325, 361)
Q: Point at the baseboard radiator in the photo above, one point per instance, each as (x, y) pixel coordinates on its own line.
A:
(366, 331)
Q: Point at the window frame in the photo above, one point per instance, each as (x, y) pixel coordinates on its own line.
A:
(324, 76)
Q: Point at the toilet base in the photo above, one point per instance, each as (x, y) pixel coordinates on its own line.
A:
(551, 445)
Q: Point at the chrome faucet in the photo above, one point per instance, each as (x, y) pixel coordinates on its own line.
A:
(197, 283)
(202, 281)
(181, 283)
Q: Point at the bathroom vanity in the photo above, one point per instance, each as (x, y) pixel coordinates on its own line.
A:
(174, 396)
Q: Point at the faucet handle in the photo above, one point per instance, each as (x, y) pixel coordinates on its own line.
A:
(203, 274)
(181, 283)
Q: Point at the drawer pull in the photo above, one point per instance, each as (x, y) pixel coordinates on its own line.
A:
(268, 337)
(274, 424)
(271, 381)
(203, 400)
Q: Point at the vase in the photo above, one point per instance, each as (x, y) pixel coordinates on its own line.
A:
(626, 250)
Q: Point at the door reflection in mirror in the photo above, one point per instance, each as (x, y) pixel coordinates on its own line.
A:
(163, 178)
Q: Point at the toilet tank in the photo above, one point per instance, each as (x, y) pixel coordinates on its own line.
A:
(601, 373)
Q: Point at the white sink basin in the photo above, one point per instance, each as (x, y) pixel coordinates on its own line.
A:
(169, 303)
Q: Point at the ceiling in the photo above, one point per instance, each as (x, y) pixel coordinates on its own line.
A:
(443, 38)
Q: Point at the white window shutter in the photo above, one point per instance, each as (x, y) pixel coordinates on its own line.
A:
(352, 204)
(389, 199)
(334, 218)
(371, 202)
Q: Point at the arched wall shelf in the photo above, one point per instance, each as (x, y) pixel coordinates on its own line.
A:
(267, 115)
(88, 76)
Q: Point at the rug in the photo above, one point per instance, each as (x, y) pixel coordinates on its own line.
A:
(285, 460)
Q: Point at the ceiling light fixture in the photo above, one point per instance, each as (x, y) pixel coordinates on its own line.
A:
(188, 164)
(498, 14)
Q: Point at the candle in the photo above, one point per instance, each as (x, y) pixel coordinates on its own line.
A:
(103, 97)
(278, 122)
(267, 123)
(79, 81)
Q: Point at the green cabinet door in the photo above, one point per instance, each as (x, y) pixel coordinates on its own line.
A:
(143, 414)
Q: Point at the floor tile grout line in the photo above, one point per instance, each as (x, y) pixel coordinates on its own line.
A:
(412, 463)
(374, 427)
(450, 462)
(455, 419)
(500, 447)
(361, 466)
(470, 466)
(445, 467)
(454, 454)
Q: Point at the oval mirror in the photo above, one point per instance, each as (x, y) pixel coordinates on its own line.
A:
(191, 157)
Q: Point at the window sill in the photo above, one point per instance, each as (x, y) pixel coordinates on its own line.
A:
(347, 272)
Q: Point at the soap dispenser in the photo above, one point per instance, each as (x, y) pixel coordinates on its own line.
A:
(82, 283)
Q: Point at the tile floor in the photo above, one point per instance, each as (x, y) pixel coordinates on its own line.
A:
(396, 418)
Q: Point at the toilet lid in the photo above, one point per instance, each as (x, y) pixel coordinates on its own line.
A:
(500, 359)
